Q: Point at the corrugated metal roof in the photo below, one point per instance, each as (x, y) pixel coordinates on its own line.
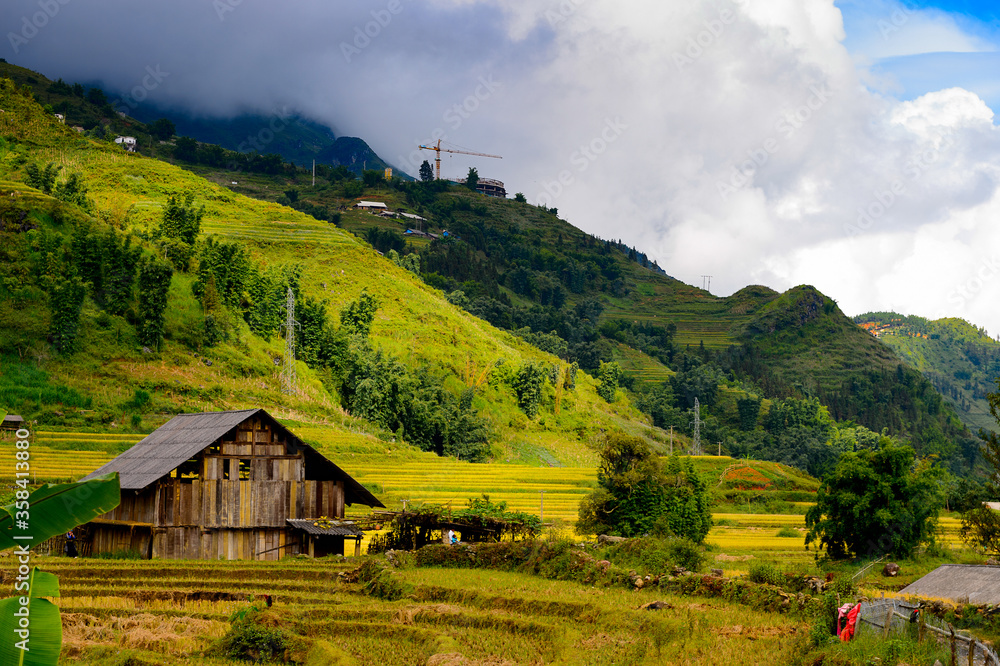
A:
(974, 583)
(183, 436)
(337, 528)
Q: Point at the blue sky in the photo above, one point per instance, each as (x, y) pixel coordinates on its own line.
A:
(914, 48)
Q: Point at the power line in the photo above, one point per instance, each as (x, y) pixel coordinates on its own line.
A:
(706, 283)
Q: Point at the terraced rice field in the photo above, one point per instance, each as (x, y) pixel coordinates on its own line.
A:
(319, 233)
(173, 611)
(641, 365)
(555, 492)
(64, 463)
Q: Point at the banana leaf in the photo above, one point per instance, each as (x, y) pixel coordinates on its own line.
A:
(31, 632)
(57, 508)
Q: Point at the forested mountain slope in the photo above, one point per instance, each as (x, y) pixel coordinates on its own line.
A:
(132, 289)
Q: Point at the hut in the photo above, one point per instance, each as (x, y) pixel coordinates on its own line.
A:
(966, 583)
(11, 422)
(226, 485)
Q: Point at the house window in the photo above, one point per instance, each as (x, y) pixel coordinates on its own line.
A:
(245, 468)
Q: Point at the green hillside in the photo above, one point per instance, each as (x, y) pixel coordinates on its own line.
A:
(561, 297)
(210, 357)
(961, 360)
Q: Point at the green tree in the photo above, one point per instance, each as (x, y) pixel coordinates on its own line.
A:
(162, 129)
(154, 285)
(520, 198)
(472, 180)
(528, 384)
(875, 503)
(358, 315)
(981, 524)
(96, 97)
(179, 228)
(748, 409)
(608, 376)
(41, 179)
(119, 265)
(186, 149)
(66, 301)
(426, 172)
(372, 178)
(637, 496)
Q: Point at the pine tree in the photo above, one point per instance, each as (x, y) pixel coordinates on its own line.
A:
(426, 172)
(66, 302)
(154, 284)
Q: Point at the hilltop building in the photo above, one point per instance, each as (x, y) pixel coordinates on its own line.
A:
(127, 142)
(226, 485)
(488, 186)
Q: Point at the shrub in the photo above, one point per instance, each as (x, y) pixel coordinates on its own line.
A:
(379, 582)
(765, 573)
(656, 555)
(250, 641)
(685, 553)
(789, 532)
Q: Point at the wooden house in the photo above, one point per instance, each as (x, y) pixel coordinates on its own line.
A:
(11, 422)
(229, 485)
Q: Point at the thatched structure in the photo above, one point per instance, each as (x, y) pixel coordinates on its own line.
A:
(968, 583)
(230, 485)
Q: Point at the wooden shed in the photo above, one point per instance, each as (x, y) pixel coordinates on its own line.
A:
(229, 485)
(11, 422)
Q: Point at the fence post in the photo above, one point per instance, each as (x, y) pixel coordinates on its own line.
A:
(888, 623)
(972, 652)
(921, 626)
(954, 650)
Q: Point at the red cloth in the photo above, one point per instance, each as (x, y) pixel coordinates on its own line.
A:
(852, 621)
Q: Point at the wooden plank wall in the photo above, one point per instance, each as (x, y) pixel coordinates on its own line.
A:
(236, 503)
(197, 543)
(109, 538)
(135, 508)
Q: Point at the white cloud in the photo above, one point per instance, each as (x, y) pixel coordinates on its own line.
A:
(732, 138)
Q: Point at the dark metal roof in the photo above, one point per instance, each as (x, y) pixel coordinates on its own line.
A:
(185, 435)
(337, 527)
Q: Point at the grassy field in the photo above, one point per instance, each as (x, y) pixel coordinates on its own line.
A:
(160, 612)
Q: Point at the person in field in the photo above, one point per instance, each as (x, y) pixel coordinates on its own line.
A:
(71, 544)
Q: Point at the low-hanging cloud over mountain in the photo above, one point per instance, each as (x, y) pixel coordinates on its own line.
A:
(754, 141)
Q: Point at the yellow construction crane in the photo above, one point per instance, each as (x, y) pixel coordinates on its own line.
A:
(437, 158)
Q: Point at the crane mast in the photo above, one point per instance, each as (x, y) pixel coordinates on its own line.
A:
(437, 155)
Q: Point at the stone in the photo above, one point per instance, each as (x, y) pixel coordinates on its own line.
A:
(717, 573)
(890, 570)
(638, 582)
(655, 605)
(147, 350)
(604, 538)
